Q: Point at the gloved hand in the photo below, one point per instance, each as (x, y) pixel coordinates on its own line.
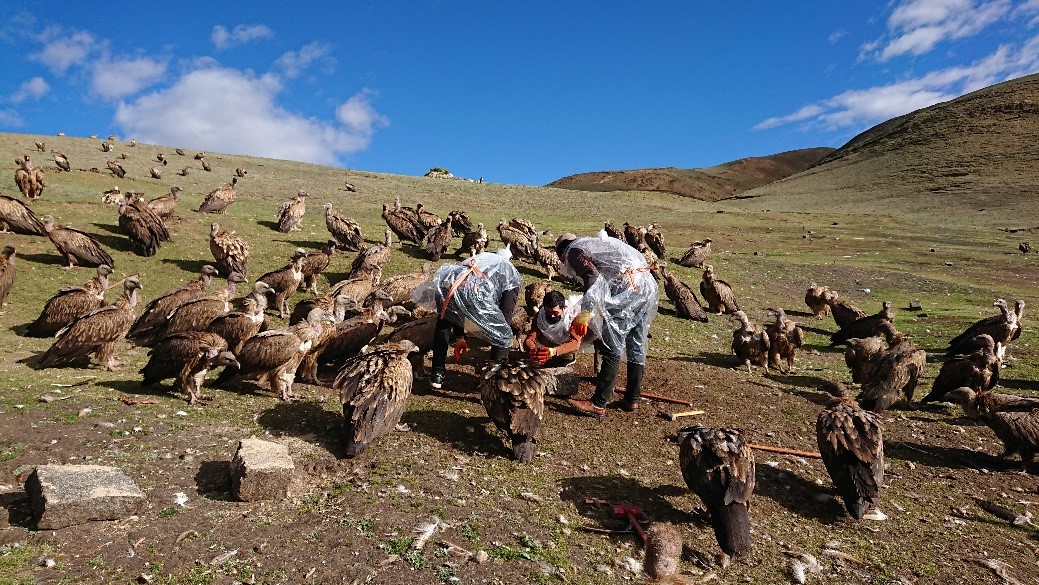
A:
(579, 328)
(541, 354)
(460, 348)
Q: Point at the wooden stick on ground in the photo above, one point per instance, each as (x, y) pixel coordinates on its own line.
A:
(664, 399)
(785, 451)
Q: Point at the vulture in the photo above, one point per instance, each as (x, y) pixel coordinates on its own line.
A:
(461, 223)
(155, 172)
(719, 466)
(815, 298)
(851, 441)
(844, 313)
(197, 314)
(784, 339)
(876, 325)
(284, 282)
(161, 158)
(70, 303)
(154, 315)
(61, 161)
(41, 146)
(219, 199)
(655, 239)
(240, 172)
(634, 236)
(357, 287)
(97, 332)
(891, 372)
(316, 261)
(404, 226)
(344, 229)
(419, 332)
(611, 231)
(112, 196)
(6, 273)
(188, 357)
(427, 219)
(230, 251)
(374, 256)
(547, 258)
(77, 247)
(1001, 328)
(717, 293)
(179, 151)
(1016, 427)
(343, 341)
(106, 147)
(205, 166)
(30, 179)
(397, 290)
(275, 355)
(143, 226)
(438, 239)
(185, 172)
(473, 242)
(16, 217)
(290, 213)
(1024, 247)
(238, 326)
(750, 343)
(978, 370)
(859, 355)
(164, 205)
(514, 396)
(116, 168)
(534, 296)
(341, 307)
(520, 241)
(374, 388)
(687, 306)
(990, 401)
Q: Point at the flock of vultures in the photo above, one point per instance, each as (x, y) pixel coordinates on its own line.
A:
(367, 338)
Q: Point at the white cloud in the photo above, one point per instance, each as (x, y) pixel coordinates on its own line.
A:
(35, 88)
(915, 27)
(61, 53)
(1030, 10)
(11, 118)
(836, 36)
(243, 33)
(114, 80)
(226, 110)
(293, 62)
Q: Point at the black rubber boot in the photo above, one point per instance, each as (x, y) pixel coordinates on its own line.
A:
(499, 354)
(608, 369)
(633, 387)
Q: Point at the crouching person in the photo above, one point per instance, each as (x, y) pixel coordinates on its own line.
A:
(551, 342)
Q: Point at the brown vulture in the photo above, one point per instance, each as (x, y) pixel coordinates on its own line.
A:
(229, 250)
(687, 306)
(859, 355)
(155, 172)
(815, 298)
(339, 306)
(717, 293)
(165, 205)
(473, 242)
(634, 236)
(407, 229)
(461, 224)
(514, 396)
(611, 230)
(878, 324)
(784, 339)
(1001, 328)
(218, 200)
(719, 466)
(893, 371)
(345, 230)
(372, 257)
(438, 239)
(844, 313)
(978, 370)
(419, 332)
(237, 326)
(284, 282)
(196, 314)
(655, 239)
(97, 332)
(547, 258)
(241, 172)
(290, 213)
(427, 219)
(61, 161)
(116, 168)
(1016, 426)
(70, 303)
(30, 179)
(343, 341)
(851, 441)
(16, 217)
(6, 273)
(187, 356)
(374, 388)
(154, 315)
(355, 288)
(275, 355)
(143, 226)
(314, 262)
(77, 247)
(397, 290)
(750, 343)
(519, 240)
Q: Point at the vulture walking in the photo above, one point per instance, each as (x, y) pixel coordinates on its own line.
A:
(655, 240)
(70, 303)
(844, 313)
(719, 466)
(97, 332)
(438, 239)
(514, 396)
(717, 293)
(815, 298)
(29, 178)
(750, 343)
(374, 388)
(1016, 427)
(345, 230)
(859, 356)
(1001, 328)
(188, 357)
(851, 441)
(7, 271)
(893, 371)
(290, 213)
(461, 224)
(611, 230)
(343, 341)
(687, 306)
(165, 205)
(520, 240)
(16, 217)
(284, 282)
(116, 168)
(218, 200)
(154, 315)
(230, 251)
(143, 226)
(979, 370)
(78, 248)
(784, 339)
(876, 325)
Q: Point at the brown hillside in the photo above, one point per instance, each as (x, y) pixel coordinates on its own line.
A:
(708, 184)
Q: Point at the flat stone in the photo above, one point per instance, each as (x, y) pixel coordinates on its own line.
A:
(66, 495)
(562, 381)
(261, 470)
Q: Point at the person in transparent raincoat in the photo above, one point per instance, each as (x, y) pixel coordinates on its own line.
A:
(619, 303)
(478, 296)
(551, 341)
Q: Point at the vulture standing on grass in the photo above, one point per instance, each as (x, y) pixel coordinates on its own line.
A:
(106, 147)
(687, 306)
(155, 172)
(230, 250)
(546, 258)
(611, 230)
(397, 290)
(70, 303)
(473, 242)
(894, 371)
(1016, 426)
(655, 239)
(1001, 328)
(859, 356)
(634, 236)
(374, 388)
(284, 282)
(61, 161)
(519, 240)
(978, 370)
(218, 200)
(815, 298)
(374, 256)
(750, 343)
(403, 225)
(16, 217)
(427, 219)
(851, 441)
(717, 293)
(116, 168)
(341, 307)
(461, 224)
(784, 339)
(97, 332)
(185, 172)
(514, 396)
(719, 466)
(165, 205)
(878, 324)
(78, 248)
(205, 165)
(30, 179)
(237, 326)
(315, 262)
(344, 229)
(290, 213)
(188, 357)
(143, 226)
(197, 314)
(844, 313)
(7, 271)
(154, 315)
(241, 172)
(438, 239)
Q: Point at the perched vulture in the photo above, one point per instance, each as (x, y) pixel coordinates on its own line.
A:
(343, 341)
(290, 213)
(1001, 328)
(356, 288)
(815, 298)
(374, 388)
(30, 179)
(427, 219)
(143, 226)
(344, 229)
(876, 325)
(197, 314)
(237, 326)
(612, 231)
(374, 256)
(891, 372)
(978, 370)
(315, 262)
(7, 271)
(116, 168)
(185, 172)
(200, 155)
(655, 239)
(1016, 427)
(284, 282)
(205, 166)
(154, 315)
(77, 247)
(106, 147)
(461, 223)
(859, 355)
(97, 332)
(70, 303)
(155, 172)
(851, 441)
(404, 226)
(275, 355)
(16, 217)
(473, 242)
(635, 237)
(514, 396)
(165, 205)
(844, 313)
(687, 306)
(419, 332)
(341, 307)
(717, 293)
(438, 239)
(719, 466)
(784, 339)
(750, 343)
(219, 199)
(230, 251)
(188, 357)
(61, 161)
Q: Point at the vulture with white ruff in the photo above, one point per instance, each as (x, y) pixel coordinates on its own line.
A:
(345, 230)
(70, 303)
(290, 213)
(230, 251)
(78, 248)
(218, 200)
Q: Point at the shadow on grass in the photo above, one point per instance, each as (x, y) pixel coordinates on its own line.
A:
(213, 480)
(19, 509)
(468, 434)
(594, 496)
(307, 420)
(192, 266)
(53, 259)
(938, 456)
(117, 240)
(1032, 385)
(804, 381)
(795, 493)
(712, 358)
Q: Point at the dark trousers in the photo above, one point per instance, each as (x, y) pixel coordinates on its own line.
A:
(609, 367)
(442, 333)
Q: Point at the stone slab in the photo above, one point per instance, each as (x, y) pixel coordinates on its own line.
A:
(563, 381)
(66, 495)
(261, 470)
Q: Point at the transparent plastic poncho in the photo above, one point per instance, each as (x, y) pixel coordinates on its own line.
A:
(473, 290)
(558, 333)
(622, 299)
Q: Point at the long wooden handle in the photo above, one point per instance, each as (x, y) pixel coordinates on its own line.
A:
(785, 451)
(664, 399)
(635, 524)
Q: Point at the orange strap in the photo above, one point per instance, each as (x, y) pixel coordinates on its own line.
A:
(630, 274)
(457, 283)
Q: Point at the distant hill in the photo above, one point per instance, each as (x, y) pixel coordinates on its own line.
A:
(707, 184)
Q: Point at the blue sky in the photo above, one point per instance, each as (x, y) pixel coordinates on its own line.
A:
(512, 92)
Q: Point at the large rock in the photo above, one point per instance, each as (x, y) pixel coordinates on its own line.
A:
(65, 495)
(261, 470)
(563, 381)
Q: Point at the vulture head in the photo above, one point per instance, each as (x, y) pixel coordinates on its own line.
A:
(209, 270)
(104, 270)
